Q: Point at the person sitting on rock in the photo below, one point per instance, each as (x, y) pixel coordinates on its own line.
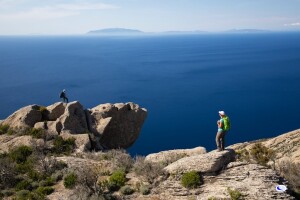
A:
(64, 96)
(223, 127)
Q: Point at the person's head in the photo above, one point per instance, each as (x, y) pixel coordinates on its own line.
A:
(221, 113)
(64, 90)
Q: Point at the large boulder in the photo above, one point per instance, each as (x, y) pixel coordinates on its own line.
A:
(116, 125)
(73, 119)
(206, 163)
(82, 141)
(174, 155)
(24, 117)
(56, 110)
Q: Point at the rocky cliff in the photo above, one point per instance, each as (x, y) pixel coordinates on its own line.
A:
(105, 126)
(249, 170)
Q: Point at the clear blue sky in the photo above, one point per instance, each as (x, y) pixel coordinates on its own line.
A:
(80, 16)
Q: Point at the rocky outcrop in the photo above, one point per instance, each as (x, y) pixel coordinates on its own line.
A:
(82, 141)
(116, 125)
(24, 117)
(174, 155)
(106, 126)
(8, 143)
(206, 163)
(73, 119)
(56, 110)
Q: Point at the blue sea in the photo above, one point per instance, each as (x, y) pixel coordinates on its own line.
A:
(182, 80)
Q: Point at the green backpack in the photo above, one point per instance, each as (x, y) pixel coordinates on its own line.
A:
(226, 123)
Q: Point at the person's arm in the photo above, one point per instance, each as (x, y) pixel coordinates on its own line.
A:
(220, 123)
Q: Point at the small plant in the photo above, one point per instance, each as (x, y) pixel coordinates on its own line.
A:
(70, 180)
(190, 180)
(234, 194)
(62, 146)
(44, 112)
(44, 190)
(212, 198)
(261, 154)
(36, 133)
(126, 190)
(117, 180)
(20, 154)
(147, 169)
(24, 185)
(4, 129)
(144, 190)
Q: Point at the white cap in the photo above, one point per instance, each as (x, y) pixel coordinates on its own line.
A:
(221, 112)
(64, 90)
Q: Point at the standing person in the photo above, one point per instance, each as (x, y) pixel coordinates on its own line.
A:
(223, 127)
(63, 96)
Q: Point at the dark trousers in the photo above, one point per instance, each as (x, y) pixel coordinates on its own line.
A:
(65, 99)
(220, 140)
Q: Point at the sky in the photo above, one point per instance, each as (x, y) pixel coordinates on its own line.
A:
(19, 17)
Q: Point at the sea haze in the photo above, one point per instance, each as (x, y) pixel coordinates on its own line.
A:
(183, 81)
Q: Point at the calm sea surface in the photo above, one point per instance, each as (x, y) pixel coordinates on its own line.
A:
(183, 81)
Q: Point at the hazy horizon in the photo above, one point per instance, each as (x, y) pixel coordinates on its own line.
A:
(62, 17)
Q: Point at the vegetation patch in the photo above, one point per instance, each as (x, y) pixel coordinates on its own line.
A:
(191, 180)
(62, 146)
(234, 194)
(4, 129)
(127, 190)
(70, 180)
(117, 180)
(147, 169)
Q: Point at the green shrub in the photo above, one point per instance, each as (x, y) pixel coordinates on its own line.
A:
(47, 182)
(70, 180)
(190, 180)
(117, 179)
(126, 190)
(144, 190)
(24, 185)
(35, 133)
(7, 193)
(261, 154)
(4, 129)
(21, 154)
(44, 190)
(23, 194)
(234, 194)
(62, 146)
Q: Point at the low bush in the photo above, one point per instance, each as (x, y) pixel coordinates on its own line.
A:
(190, 180)
(234, 194)
(24, 185)
(126, 190)
(120, 158)
(70, 180)
(44, 190)
(261, 154)
(147, 169)
(117, 180)
(35, 133)
(20, 154)
(4, 129)
(62, 146)
(144, 189)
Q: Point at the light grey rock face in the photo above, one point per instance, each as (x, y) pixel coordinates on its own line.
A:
(251, 180)
(205, 163)
(117, 125)
(82, 141)
(73, 119)
(56, 110)
(8, 143)
(24, 117)
(173, 155)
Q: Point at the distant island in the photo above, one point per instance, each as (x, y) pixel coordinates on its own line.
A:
(115, 31)
(125, 31)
